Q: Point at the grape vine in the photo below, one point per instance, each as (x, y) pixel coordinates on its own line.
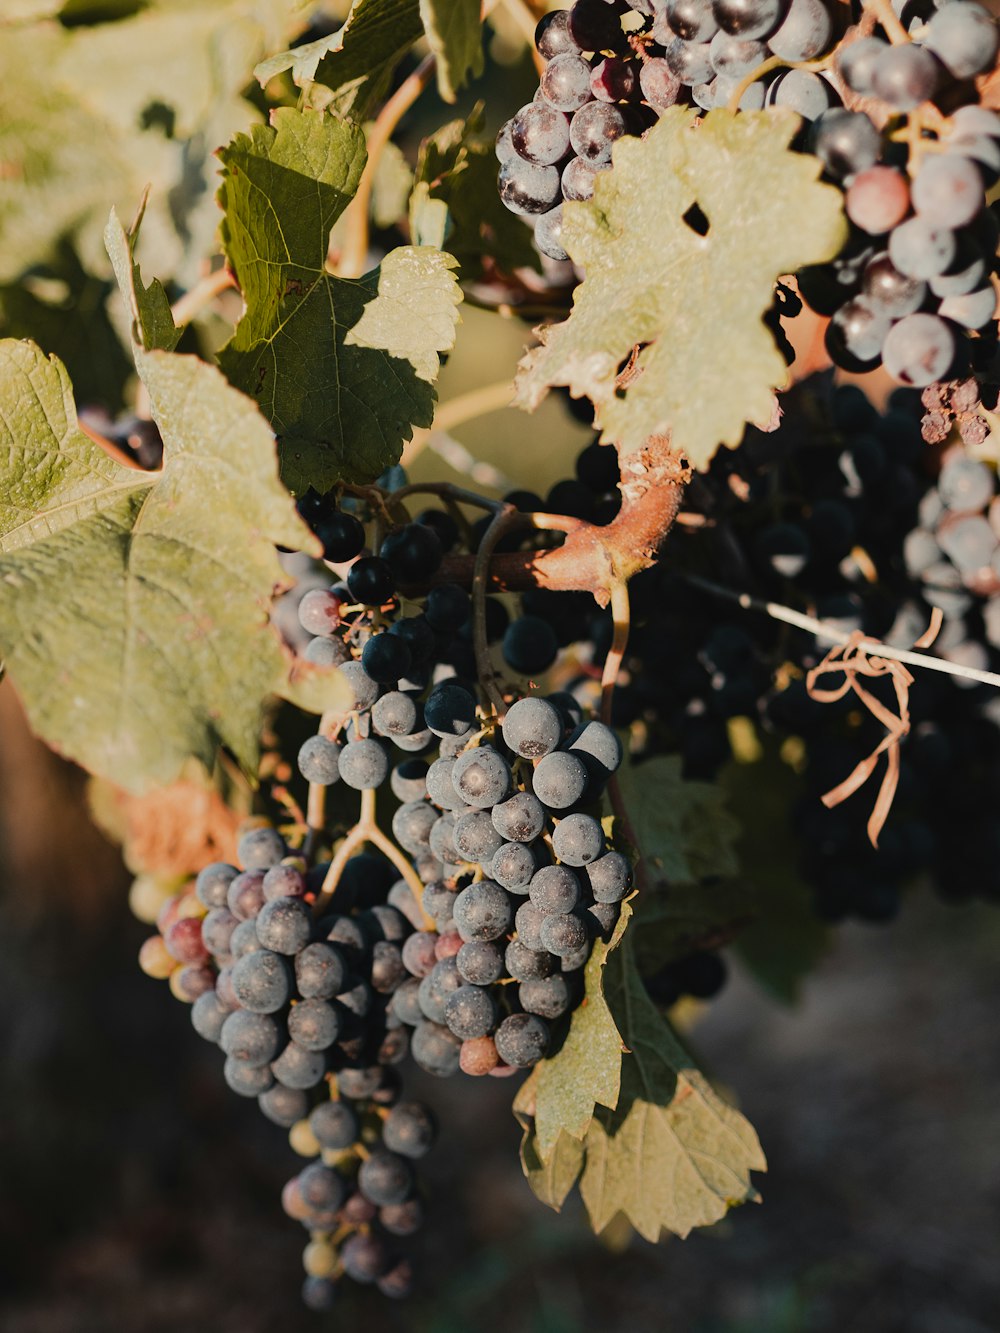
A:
(489, 741)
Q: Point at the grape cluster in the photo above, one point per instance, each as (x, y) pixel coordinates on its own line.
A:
(518, 878)
(848, 515)
(913, 285)
(318, 969)
(299, 1004)
(360, 1196)
(915, 277)
(591, 93)
(529, 881)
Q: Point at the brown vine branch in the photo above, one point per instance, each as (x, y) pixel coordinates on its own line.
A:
(595, 559)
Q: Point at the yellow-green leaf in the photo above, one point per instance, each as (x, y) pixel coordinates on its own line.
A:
(694, 297)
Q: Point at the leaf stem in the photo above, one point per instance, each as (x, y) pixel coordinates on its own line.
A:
(203, 293)
(612, 663)
(355, 251)
(505, 517)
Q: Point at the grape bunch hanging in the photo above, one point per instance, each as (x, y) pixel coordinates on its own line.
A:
(891, 109)
(461, 942)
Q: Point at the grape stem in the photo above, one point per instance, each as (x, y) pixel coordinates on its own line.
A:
(886, 15)
(366, 830)
(446, 491)
(203, 293)
(613, 661)
(355, 252)
(827, 633)
(758, 71)
(315, 819)
(504, 518)
(457, 411)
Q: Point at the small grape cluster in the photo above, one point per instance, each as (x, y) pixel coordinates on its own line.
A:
(299, 1003)
(915, 277)
(529, 881)
(361, 1195)
(591, 93)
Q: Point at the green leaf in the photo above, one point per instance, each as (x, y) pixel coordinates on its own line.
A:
(62, 165)
(133, 606)
(88, 119)
(355, 63)
(786, 940)
(586, 1070)
(343, 369)
(454, 33)
(672, 1155)
(683, 827)
(553, 1179)
(455, 202)
(652, 278)
(152, 323)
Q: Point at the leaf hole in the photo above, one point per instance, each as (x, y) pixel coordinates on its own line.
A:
(696, 220)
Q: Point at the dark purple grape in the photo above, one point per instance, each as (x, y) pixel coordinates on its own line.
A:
(660, 86)
(386, 658)
(548, 234)
(522, 1040)
(540, 134)
(614, 79)
(385, 1178)
(905, 76)
(552, 35)
(413, 552)
(595, 26)
(578, 180)
(690, 62)
(370, 581)
(748, 18)
(565, 84)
